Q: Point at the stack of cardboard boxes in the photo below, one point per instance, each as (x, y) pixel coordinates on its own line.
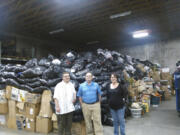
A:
(43, 120)
(23, 109)
(166, 83)
(3, 107)
(141, 90)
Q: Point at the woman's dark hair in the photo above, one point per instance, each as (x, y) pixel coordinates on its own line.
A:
(115, 75)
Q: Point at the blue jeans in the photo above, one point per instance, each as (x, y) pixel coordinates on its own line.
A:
(118, 120)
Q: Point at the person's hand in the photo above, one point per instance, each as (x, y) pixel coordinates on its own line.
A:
(58, 109)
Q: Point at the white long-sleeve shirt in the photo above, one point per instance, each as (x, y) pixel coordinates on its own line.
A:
(64, 94)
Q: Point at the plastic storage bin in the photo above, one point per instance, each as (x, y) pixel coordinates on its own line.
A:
(136, 113)
(155, 100)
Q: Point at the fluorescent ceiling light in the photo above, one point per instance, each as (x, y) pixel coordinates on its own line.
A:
(140, 34)
(56, 31)
(120, 15)
(92, 42)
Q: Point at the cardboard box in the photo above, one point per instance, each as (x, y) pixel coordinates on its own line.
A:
(33, 98)
(30, 124)
(3, 119)
(3, 102)
(46, 110)
(32, 110)
(164, 87)
(165, 74)
(3, 96)
(167, 95)
(156, 76)
(18, 94)
(43, 125)
(20, 121)
(78, 128)
(141, 67)
(14, 94)
(55, 126)
(12, 108)
(21, 108)
(8, 92)
(149, 83)
(54, 117)
(11, 123)
(3, 108)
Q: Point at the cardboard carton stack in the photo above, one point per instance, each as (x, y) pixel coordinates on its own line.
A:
(166, 82)
(55, 123)
(3, 107)
(23, 109)
(43, 120)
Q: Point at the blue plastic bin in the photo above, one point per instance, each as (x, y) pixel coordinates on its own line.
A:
(155, 100)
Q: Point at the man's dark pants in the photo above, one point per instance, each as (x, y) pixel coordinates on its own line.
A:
(65, 123)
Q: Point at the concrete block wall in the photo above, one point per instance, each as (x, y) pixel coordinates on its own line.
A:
(166, 53)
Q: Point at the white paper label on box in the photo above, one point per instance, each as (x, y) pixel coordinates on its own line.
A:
(31, 112)
(3, 96)
(14, 93)
(165, 70)
(28, 125)
(2, 119)
(22, 95)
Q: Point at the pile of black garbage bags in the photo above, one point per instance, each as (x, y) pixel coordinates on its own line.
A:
(38, 75)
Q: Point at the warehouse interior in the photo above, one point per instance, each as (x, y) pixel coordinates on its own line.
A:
(37, 28)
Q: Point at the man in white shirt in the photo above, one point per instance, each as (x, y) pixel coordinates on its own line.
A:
(64, 97)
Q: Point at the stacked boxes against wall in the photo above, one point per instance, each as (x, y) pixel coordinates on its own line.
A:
(158, 83)
(3, 107)
(166, 83)
(23, 109)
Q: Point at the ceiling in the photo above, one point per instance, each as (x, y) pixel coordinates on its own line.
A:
(86, 21)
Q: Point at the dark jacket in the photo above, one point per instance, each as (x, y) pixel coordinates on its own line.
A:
(116, 97)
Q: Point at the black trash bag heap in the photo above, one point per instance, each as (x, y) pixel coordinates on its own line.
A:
(39, 75)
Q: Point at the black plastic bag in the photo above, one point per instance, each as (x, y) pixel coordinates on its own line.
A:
(9, 68)
(8, 75)
(77, 66)
(43, 82)
(76, 84)
(88, 56)
(82, 72)
(105, 84)
(2, 80)
(52, 103)
(67, 63)
(52, 72)
(31, 63)
(12, 82)
(35, 84)
(97, 72)
(19, 69)
(27, 80)
(25, 87)
(40, 89)
(101, 78)
(53, 82)
(44, 62)
(50, 57)
(2, 86)
(33, 72)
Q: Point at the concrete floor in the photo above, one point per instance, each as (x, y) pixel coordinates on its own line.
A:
(163, 120)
